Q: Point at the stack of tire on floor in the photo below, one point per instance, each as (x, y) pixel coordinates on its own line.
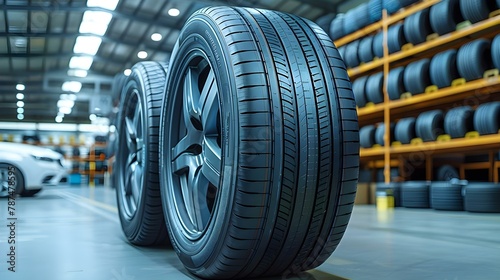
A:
(252, 121)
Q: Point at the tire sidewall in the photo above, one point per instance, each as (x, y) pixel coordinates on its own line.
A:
(131, 224)
(200, 34)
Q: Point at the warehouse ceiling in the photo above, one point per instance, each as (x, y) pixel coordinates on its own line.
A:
(44, 44)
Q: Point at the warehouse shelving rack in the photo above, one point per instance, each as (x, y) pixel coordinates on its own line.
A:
(477, 91)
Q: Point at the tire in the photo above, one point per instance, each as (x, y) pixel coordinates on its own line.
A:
(476, 10)
(446, 173)
(482, 197)
(325, 21)
(359, 90)
(415, 194)
(395, 38)
(416, 76)
(391, 6)
(458, 121)
(379, 134)
(337, 27)
(445, 15)
(429, 125)
(405, 3)
(417, 27)
(374, 88)
(395, 83)
(11, 176)
(138, 188)
(367, 136)
(404, 131)
(365, 51)
(362, 16)
(495, 51)
(279, 115)
(443, 68)
(487, 118)
(447, 195)
(349, 24)
(378, 45)
(391, 189)
(351, 54)
(375, 10)
(473, 59)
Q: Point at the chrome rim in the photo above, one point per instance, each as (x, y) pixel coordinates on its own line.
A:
(4, 179)
(133, 153)
(196, 147)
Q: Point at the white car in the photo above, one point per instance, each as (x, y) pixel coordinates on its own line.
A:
(29, 168)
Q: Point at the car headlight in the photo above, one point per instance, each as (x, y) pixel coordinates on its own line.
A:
(47, 159)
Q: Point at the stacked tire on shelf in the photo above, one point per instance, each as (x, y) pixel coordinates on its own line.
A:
(234, 140)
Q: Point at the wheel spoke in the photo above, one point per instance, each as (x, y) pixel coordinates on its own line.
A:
(191, 99)
(212, 161)
(186, 144)
(136, 181)
(131, 134)
(208, 104)
(138, 121)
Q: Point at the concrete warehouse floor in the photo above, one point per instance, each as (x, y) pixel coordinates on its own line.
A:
(74, 233)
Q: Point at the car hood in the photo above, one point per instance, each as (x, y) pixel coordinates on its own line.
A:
(29, 150)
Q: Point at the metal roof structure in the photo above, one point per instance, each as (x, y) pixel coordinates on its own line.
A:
(45, 43)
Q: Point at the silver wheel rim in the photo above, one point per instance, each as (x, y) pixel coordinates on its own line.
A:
(196, 151)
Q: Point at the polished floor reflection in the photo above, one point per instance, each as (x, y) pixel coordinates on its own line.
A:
(74, 233)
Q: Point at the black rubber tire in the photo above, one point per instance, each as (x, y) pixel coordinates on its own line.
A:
(378, 45)
(415, 194)
(487, 118)
(375, 10)
(281, 115)
(391, 189)
(365, 51)
(447, 195)
(391, 6)
(359, 90)
(473, 59)
(417, 27)
(430, 125)
(138, 188)
(325, 21)
(337, 27)
(11, 178)
(361, 16)
(351, 57)
(395, 83)
(476, 10)
(349, 24)
(446, 173)
(495, 51)
(404, 131)
(405, 3)
(458, 121)
(367, 136)
(395, 38)
(416, 76)
(443, 68)
(445, 15)
(482, 197)
(374, 88)
(379, 134)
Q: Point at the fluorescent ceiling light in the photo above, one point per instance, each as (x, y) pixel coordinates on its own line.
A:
(127, 72)
(142, 54)
(95, 22)
(20, 104)
(92, 117)
(20, 96)
(174, 12)
(65, 103)
(65, 110)
(81, 62)
(20, 110)
(87, 45)
(59, 119)
(77, 73)
(156, 37)
(20, 116)
(20, 87)
(68, 96)
(72, 86)
(59, 114)
(106, 4)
